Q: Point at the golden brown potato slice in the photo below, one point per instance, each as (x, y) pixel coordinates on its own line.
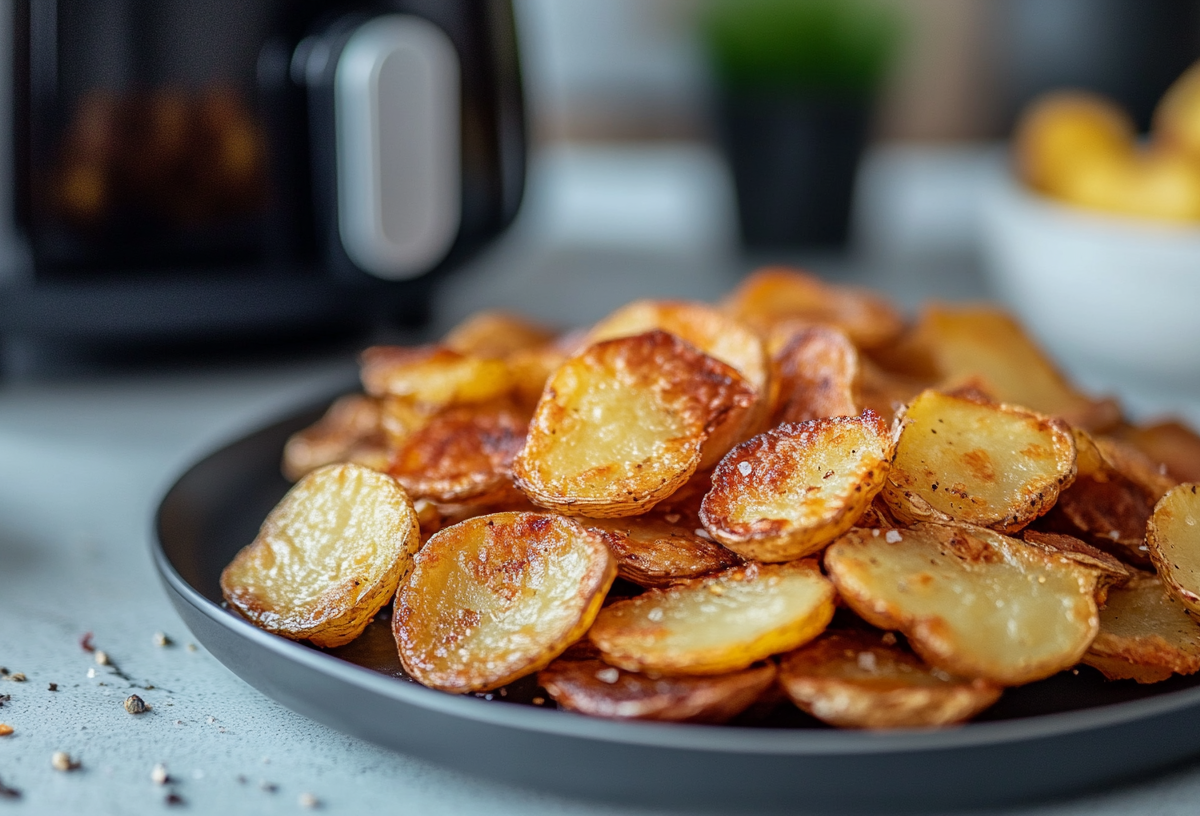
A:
(328, 557)
(971, 601)
(773, 294)
(1170, 443)
(350, 431)
(718, 624)
(855, 678)
(1111, 499)
(622, 425)
(495, 334)
(401, 417)
(1145, 634)
(530, 369)
(954, 345)
(717, 335)
(1173, 536)
(962, 459)
(593, 687)
(496, 597)
(653, 552)
(705, 327)
(816, 374)
(788, 492)
(434, 376)
(463, 455)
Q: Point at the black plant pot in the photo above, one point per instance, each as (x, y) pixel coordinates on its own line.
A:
(794, 159)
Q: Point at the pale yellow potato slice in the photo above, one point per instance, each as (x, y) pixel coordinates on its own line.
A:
(434, 376)
(653, 552)
(788, 492)
(463, 455)
(496, 597)
(495, 334)
(622, 425)
(816, 374)
(953, 345)
(963, 459)
(328, 557)
(1173, 536)
(855, 678)
(350, 431)
(1145, 634)
(971, 601)
(593, 687)
(718, 624)
(775, 294)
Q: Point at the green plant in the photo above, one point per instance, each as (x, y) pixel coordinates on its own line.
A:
(836, 47)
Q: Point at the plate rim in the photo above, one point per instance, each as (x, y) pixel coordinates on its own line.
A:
(677, 736)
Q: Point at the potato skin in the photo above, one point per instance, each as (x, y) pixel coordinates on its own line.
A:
(256, 582)
(576, 685)
(816, 373)
(789, 492)
(569, 465)
(496, 597)
(855, 678)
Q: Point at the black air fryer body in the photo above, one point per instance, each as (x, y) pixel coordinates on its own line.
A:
(192, 168)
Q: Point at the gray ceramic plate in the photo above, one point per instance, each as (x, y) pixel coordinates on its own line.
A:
(1065, 734)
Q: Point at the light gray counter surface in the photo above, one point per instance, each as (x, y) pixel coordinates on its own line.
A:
(83, 464)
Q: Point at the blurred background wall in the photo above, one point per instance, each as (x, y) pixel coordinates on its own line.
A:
(633, 69)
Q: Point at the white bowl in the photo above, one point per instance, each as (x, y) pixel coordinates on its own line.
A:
(1115, 293)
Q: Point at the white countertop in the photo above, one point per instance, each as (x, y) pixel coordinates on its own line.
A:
(83, 464)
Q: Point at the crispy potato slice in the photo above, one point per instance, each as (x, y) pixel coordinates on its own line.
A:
(717, 335)
(1112, 572)
(971, 601)
(855, 678)
(773, 294)
(495, 334)
(1145, 634)
(530, 368)
(350, 431)
(1173, 536)
(653, 552)
(1111, 499)
(593, 687)
(496, 597)
(816, 374)
(953, 345)
(788, 492)
(624, 424)
(718, 624)
(705, 327)
(962, 459)
(434, 376)
(463, 455)
(401, 417)
(327, 558)
(1170, 443)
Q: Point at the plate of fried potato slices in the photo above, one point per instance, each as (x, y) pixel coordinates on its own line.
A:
(789, 550)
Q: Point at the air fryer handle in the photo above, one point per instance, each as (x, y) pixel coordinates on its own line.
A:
(396, 94)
